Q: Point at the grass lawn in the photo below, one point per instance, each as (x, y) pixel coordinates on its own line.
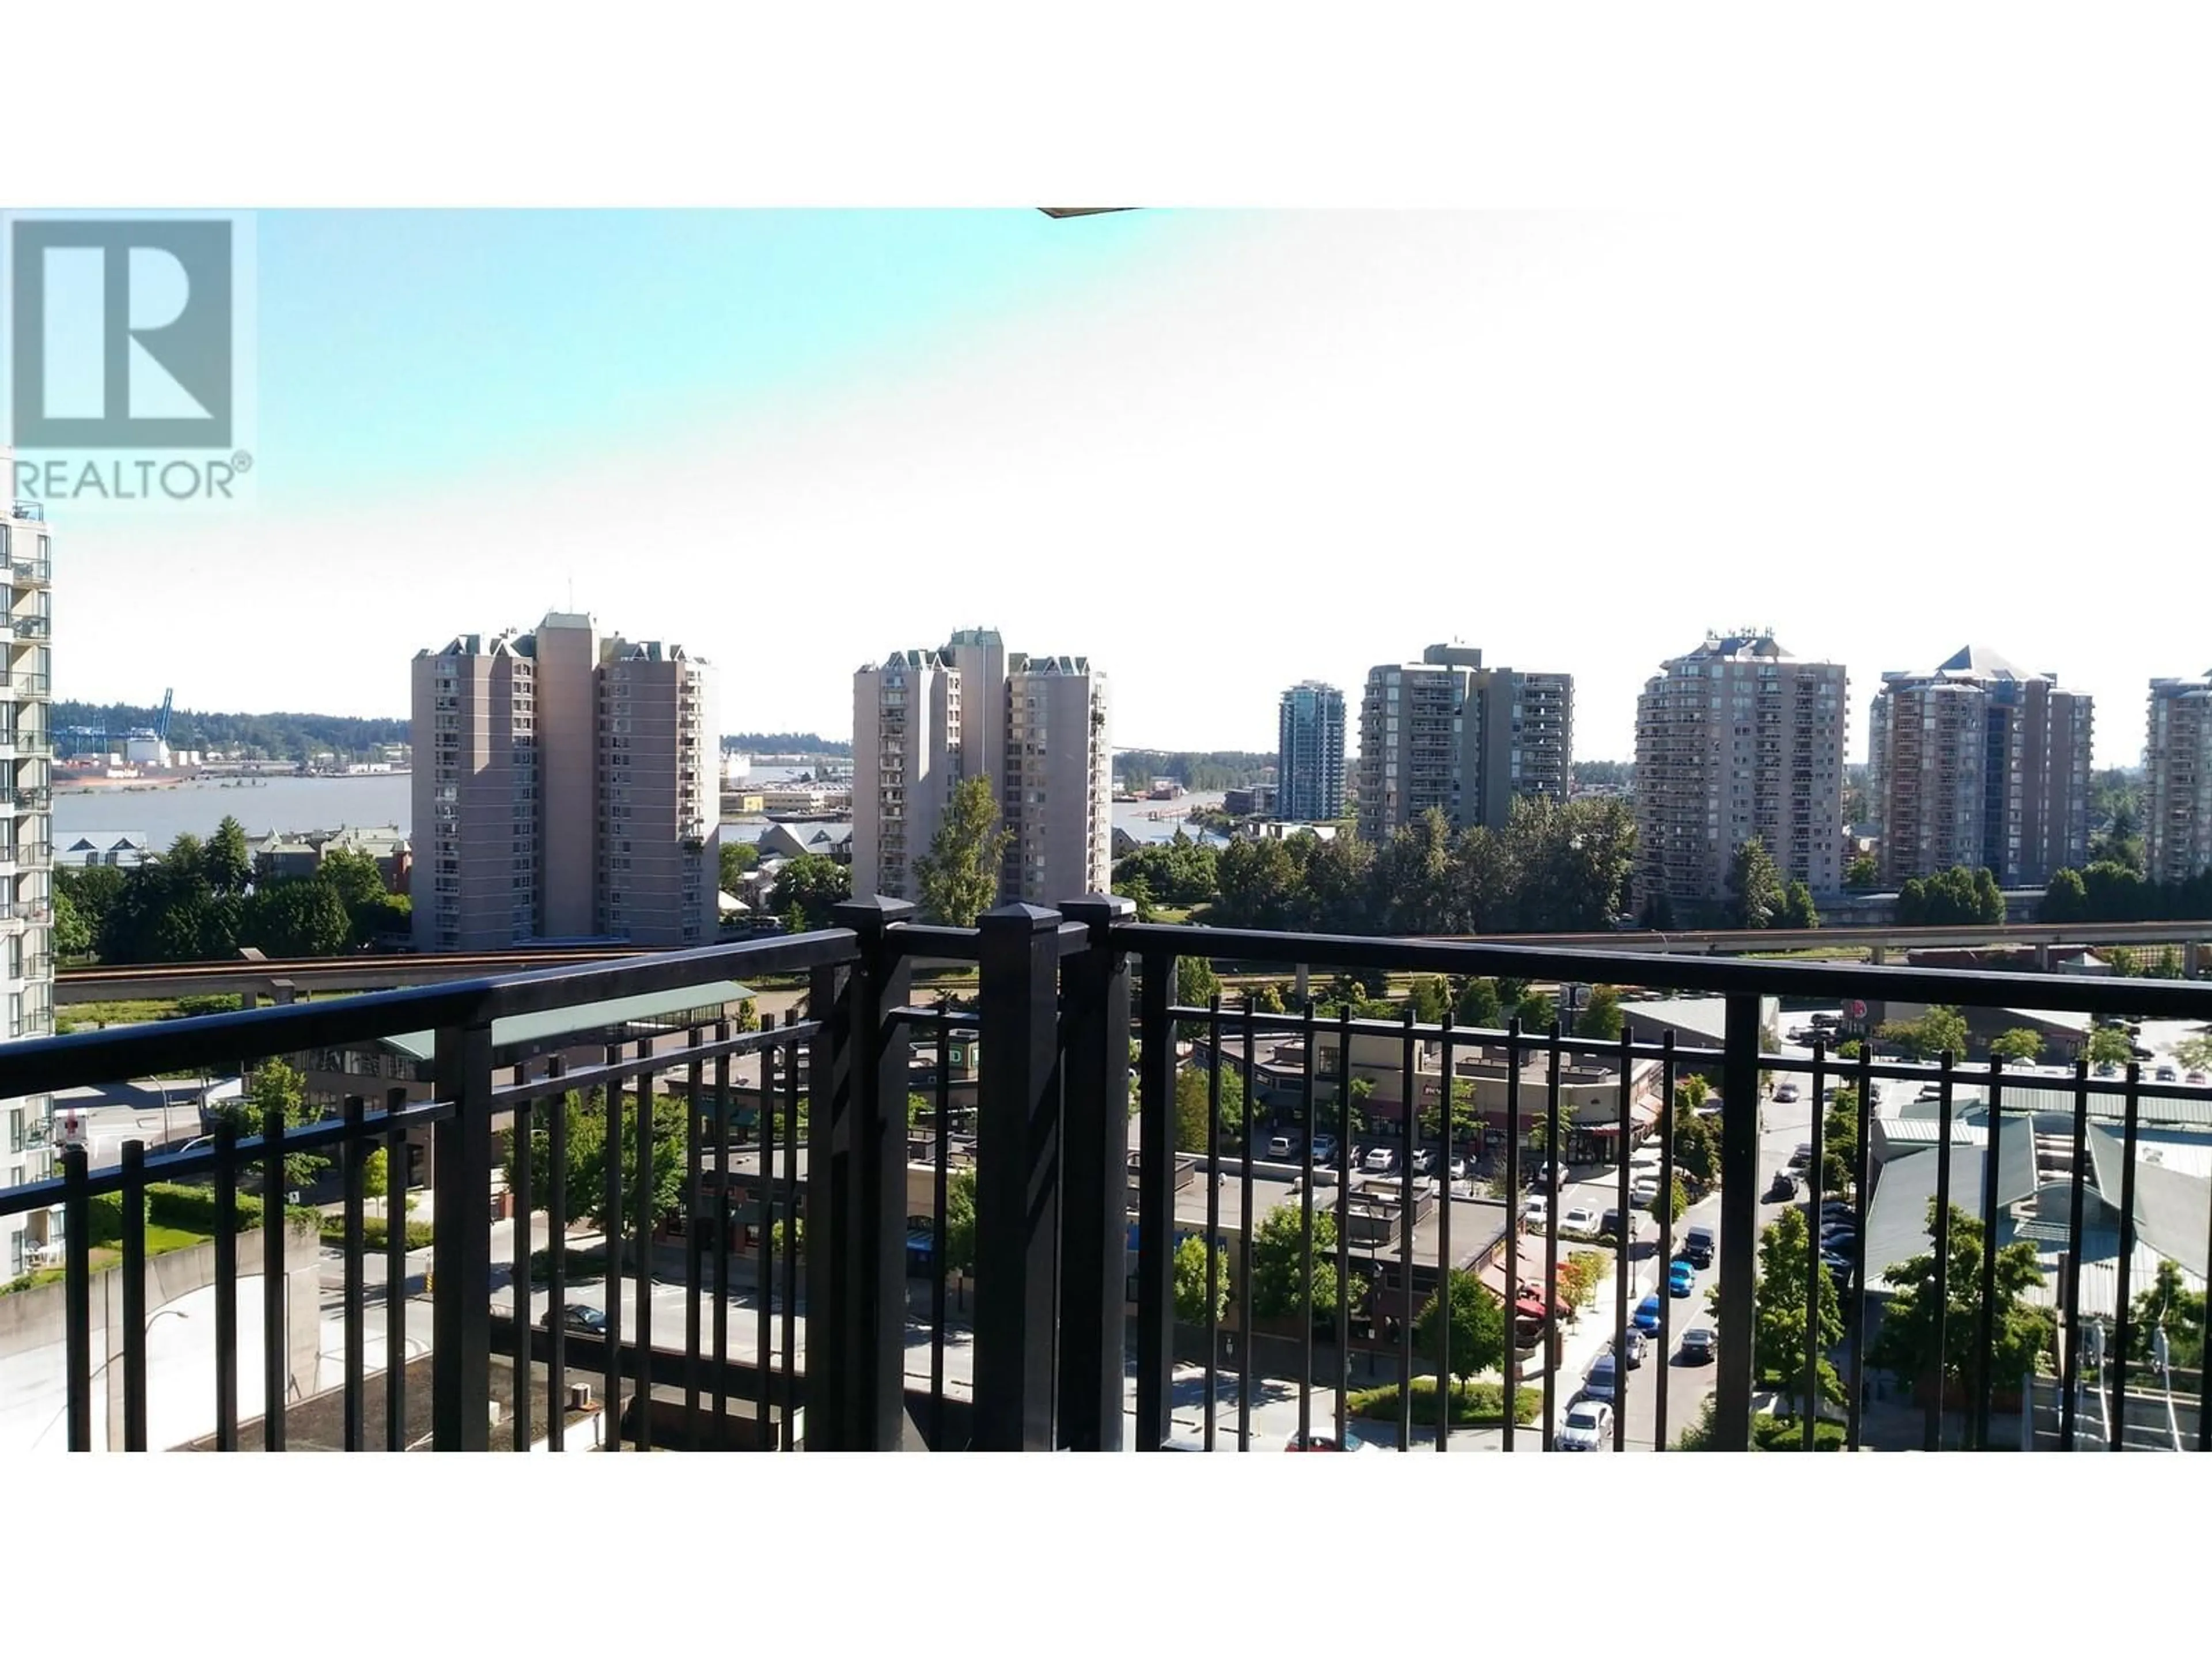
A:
(160, 1241)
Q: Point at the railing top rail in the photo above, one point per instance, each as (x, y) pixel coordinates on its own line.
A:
(87, 1058)
(1712, 975)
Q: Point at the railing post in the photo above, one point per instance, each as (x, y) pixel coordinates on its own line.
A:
(856, 1193)
(1156, 1207)
(460, 1249)
(1017, 1179)
(1095, 1183)
(1739, 1224)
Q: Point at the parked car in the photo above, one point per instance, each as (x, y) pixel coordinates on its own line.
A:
(1537, 1210)
(1601, 1381)
(1608, 1224)
(1589, 1427)
(1700, 1346)
(1283, 1147)
(1698, 1247)
(1644, 1192)
(1633, 1346)
(2167, 1074)
(1457, 1168)
(1786, 1094)
(2141, 1053)
(1647, 1313)
(1381, 1160)
(1783, 1187)
(1580, 1219)
(1324, 1148)
(1327, 1443)
(1681, 1278)
(1544, 1176)
(2107, 1069)
(1802, 1156)
(578, 1317)
(1839, 1268)
(1425, 1159)
(2196, 1079)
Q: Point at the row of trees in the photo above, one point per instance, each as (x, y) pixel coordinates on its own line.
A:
(2108, 891)
(1758, 897)
(1556, 867)
(259, 737)
(200, 901)
(1954, 897)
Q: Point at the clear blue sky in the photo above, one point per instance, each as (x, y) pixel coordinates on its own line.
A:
(1219, 453)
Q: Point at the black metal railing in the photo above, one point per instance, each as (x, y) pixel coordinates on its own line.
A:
(881, 1221)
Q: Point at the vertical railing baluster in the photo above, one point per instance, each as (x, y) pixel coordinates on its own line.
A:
(1623, 1242)
(135, 1317)
(1156, 1073)
(1445, 1265)
(1861, 1181)
(1931, 1433)
(721, 1431)
(520, 1193)
(1214, 1211)
(611, 1242)
(1244, 1265)
(1409, 1125)
(1739, 1174)
(941, 1231)
(460, 1247)
(2123, 1313)
(1815, 1270)
(1552, 1185)
(1514, 1208)
(1666, 1237)
(396, 1174)
(694, 1261)
(1343, 1215)
(1306, 1238)
(226, 1284)
(2071, 1295)
(354, 1178)
(764, 1246)
(1985, 1310)
(556, 1256)
(274, 1357)
(644, 1186)
(76, 1296)
(788, 1409)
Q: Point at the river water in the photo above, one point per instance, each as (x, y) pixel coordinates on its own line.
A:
(288, 804)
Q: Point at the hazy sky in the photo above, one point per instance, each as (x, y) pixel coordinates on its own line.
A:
(1219, 453)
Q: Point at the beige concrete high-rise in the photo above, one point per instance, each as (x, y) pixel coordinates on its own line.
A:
(2178, 780)
(1448, 734)
(909, 723)
(1734, 739)
(1057, 799)
(1976, 764)
(27, 971)
(564, 787)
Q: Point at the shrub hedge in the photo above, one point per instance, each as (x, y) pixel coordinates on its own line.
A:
(1478, 1405)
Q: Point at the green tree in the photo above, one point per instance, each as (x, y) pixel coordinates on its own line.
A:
(1797, 911)
(1284, 1278)
(2125, 963)
(1475, 1339)
(736, 857)
(2065, 898)
(2171, 1305)
(274, 1084)
(301, 917)
(1601, 1019)
(1192, 1108)
(1839, 1141)
(72, 933)
(1192, 1261)
(1669, 1203)
(1779, 1326)
(1431, 999)
(1697, 1139)
(2108, 1046)
(2168, 965)
(1939, 1031)
(228, 864)
(808, 889)
(2021, 1333)
(1479, 1005)
(352, 874)
(2022, 1044)
(1536, 1011)
(1658, 914)
(1137, 891)
(1465, 1121)
(1862, 874)
(588, 1132)
(960, 1222)
(959, 875)
(1196, 983)
(2194, 1053)
(1755, 884)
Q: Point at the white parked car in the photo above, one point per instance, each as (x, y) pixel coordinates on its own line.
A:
(1589, 1427)
(1580, 1219)
(1381, 1160)
(1644, 1192)
(1537, 1209)
(1785, 1094)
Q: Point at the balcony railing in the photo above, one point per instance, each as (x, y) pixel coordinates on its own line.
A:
(35, 573)
(812, 1218)
(33, 512)
(32, 627)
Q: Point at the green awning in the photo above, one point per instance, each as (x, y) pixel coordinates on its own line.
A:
(521, 1030)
